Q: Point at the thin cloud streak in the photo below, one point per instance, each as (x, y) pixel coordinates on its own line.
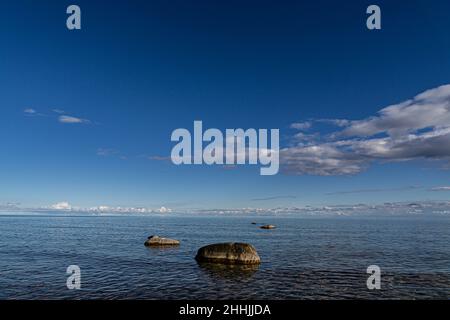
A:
(301, 125)
(160, 158)
(435, 189)
(60, 116)
(409, 188)
(29, 111)
(274, 198)
(110, 152)
(71, 119)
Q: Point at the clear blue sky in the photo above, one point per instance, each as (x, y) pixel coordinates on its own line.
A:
(140, 69)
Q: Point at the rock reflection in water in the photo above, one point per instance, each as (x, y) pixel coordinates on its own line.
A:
(164, 248)
(228, 271)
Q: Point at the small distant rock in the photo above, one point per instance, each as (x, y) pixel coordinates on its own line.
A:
(268, 226)
(228, 253)
(158, 241)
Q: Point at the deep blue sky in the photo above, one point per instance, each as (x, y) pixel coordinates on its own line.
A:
(140, 69)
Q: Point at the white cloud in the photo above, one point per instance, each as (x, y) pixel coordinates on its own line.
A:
(105, 152)
(435, 208)
(65, 206)
(415, 129)
(164, 210)
(335, 122)
(61, 206)
(430, 109)
(303, 137)
(9, 206)
(301, 125)
(60, 116)
(70, 119)
(29, 111)
(428, 208)
(125, 210)
(440, 189)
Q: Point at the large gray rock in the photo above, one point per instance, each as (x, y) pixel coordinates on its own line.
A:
(158, 241)
(228, 253)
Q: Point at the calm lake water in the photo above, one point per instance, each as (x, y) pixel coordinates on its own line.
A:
(304, 258)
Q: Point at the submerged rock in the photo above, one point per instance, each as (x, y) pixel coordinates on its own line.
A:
(268, 226)
(158, 241)
(228, 253)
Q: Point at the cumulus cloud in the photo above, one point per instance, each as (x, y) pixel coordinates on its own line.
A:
(430, 109)
(9, 206)
(65, 206)
(434, 208)
(422, 208)
(418, 128)
(61, 206)
(123, 210)
(164, 210)
(321, 159)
